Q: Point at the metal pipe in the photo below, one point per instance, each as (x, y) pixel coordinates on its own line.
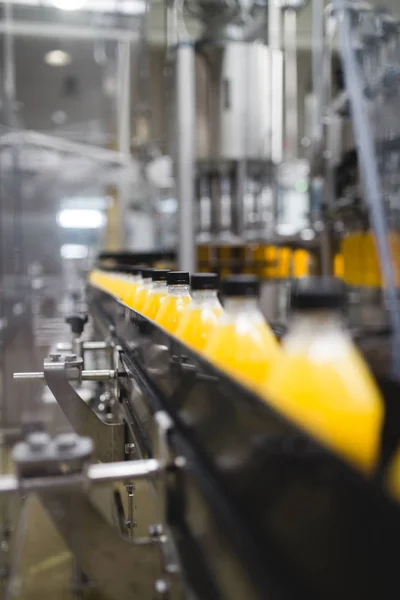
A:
(53, 30)
(96, 375)
(64, 347)
(290, 33)
(276, 59)
(95, 474)
(185, 153)
(119, 471)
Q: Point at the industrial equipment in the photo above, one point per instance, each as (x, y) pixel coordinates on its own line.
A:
(164, 475)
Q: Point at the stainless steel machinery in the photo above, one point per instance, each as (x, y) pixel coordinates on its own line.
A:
(221, 498)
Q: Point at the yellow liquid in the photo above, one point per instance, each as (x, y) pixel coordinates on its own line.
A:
(329, 392)
(140, 297)
(244, 347)
(197, 324)
(130, 292)
(153, 303)
(171, 310)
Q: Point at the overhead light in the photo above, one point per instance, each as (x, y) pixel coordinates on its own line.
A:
(71, 218)
(74, 251)
(57, 58)
(69, 4)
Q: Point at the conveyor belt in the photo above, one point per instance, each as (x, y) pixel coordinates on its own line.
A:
(261, 511)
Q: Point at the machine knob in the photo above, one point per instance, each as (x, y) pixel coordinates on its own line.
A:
(77, 323)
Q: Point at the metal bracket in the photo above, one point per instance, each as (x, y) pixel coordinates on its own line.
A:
(58, 470)
(108, 437)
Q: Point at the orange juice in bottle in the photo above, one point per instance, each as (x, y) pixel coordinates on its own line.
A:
(138, 298)
(321, 382)
(202, 314)
(133, 280)
(174, 304)
(157, 293)
(242, 343)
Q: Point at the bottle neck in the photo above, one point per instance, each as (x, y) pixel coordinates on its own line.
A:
(159, 286)
(316, 322)
(178, 290)
(201, 296)
(234, 306)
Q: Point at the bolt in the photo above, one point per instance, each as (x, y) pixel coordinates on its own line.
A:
(156, 530)
(66, 441)
(172, 568)
(38, 440)
(54, 356)
(180, 462)
(161, 587)
(130, 448)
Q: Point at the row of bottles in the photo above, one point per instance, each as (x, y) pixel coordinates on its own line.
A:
(264, 260)
(315, 377)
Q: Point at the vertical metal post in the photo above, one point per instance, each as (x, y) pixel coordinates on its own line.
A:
(290, 41)
(115, 232)
(185, 154)
(9, 67)
(275, 46)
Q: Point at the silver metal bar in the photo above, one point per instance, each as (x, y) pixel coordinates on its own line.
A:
(66, 347)
(95, 475)
(9, 65)
(185, 154)
(276, 59)
(317, 74)
(33, 138)
(290, 33)
(55, 30)
(96, 375)
(129, 469)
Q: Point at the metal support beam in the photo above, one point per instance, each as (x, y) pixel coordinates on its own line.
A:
(185, 154)
(55, 30)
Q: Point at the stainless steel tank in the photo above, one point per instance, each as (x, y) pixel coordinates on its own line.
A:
(235, 81)
(234, 100)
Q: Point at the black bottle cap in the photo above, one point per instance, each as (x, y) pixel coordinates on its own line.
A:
(133, 270)
(204, 281)
(146, 272)
(178, 278)
(160, 275)
(119, 268)
(314, 293)
(240, 285)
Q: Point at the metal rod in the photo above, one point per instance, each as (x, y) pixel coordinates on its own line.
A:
(119, 471)
(96, 474)
(96, 375)
(290, 33)
(185, 154)
(276, 89)
(53, 30)
(65, 347)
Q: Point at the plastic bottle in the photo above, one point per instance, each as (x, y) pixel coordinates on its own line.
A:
(174, 304)
(156, 295)
(242, 343)
(138, 298)
(133, 280)
(202, 314)
(321, 382)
